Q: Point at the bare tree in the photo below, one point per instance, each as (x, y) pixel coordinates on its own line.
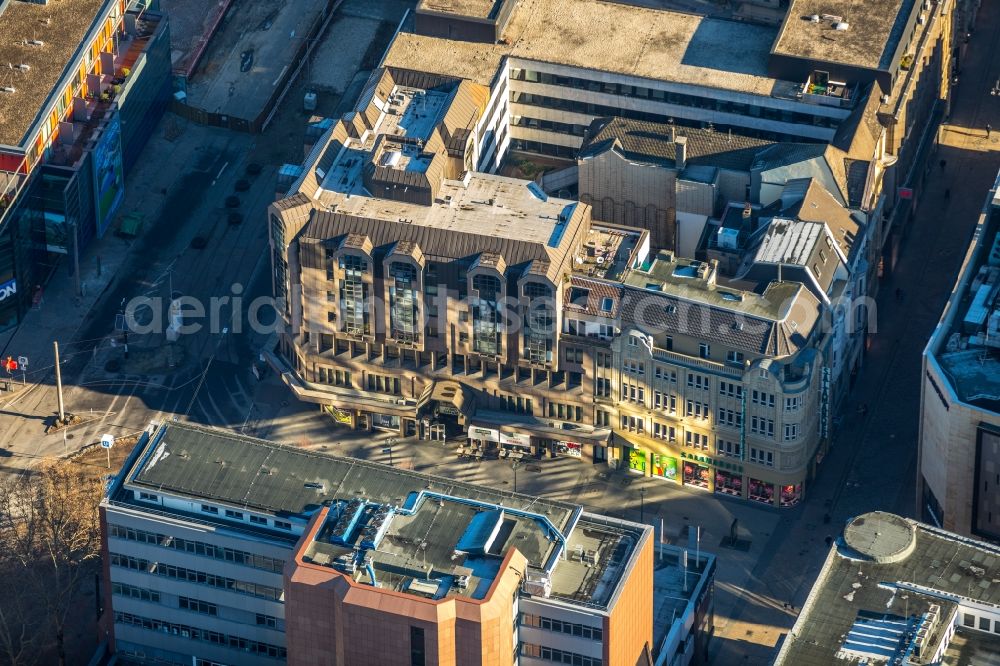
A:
(50, 541)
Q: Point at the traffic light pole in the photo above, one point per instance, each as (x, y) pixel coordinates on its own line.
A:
(59, 393)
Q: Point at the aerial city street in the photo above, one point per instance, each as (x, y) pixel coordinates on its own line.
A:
(447, 332)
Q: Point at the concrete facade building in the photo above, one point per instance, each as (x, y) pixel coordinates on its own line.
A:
(90, 79)
(895, 591)
(220, 548)
(959, 448)
(434, 307)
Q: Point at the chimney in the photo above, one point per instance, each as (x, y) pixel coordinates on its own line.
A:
(680, 152)
(671, 133)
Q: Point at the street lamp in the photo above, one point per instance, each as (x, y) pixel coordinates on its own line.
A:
(642, 505)
(389, 443)
(514, 465)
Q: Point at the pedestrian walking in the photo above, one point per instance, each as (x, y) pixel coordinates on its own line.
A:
(988, 130)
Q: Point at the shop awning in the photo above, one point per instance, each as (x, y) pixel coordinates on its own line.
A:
(555, 430)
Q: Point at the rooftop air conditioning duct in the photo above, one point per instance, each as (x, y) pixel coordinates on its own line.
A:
(8, 89)
(841, 25)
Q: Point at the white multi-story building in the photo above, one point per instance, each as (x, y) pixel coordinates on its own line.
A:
(224, 549)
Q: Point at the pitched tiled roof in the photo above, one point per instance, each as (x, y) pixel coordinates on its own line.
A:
(653, 142)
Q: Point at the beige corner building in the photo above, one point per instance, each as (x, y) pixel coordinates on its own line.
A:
(959, 456)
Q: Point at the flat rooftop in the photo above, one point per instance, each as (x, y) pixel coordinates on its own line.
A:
(870, 41)
(62, 27)
(481, 9)
(686, 279)
(403, 522)
(674, 586)
(482, 204)
(967, 344)
(648, 43)
(879, 582)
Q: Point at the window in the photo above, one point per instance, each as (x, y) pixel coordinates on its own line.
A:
(282, 525)
(563, 627)
(199, 634)
(730, 389)
(267, 621)
(728, 448)
(668, 343)
(793, 404)
(791, 432)
(762, 398)
(123, 590)
(558, 656)
(602, 387)
(698, 410)
(258, 520)
(697, 381)
(734, 357)
(632, 423)
(704, 350)
(235, 515)
(696, 440)
(984, 623)
(148, 497)
(199, 548)
(969, 620)
(730, 417)
(209, 509)
(665, 401)
(761, 426)
(762, 457)
(664, 374)
(663, 431)
(197, 606)
(633, 341)
(417, 653)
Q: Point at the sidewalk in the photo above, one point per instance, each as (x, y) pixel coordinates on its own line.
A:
(62, 311)
(873, 462)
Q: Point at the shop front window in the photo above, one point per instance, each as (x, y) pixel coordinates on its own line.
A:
(761, 491)
(665, 467)
(729, 484)
(637, 460)
(696, 475)
(790, 495)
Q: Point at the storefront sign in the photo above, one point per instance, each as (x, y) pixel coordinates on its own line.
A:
(515, 439)
(8, 289)
(573, 449)
(665, 467)
(484, 434)
(385, 421)
(637, 460)
(824, 411)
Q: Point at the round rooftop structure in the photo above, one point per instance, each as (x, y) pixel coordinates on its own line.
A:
(881, 537)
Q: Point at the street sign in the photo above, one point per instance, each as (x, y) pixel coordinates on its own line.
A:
(107, 441)
(23, 361)
(387, 449)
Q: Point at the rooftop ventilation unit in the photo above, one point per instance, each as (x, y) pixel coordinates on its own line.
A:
(8, 89)
(34, 42)
(841, 26)
(21, 67)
